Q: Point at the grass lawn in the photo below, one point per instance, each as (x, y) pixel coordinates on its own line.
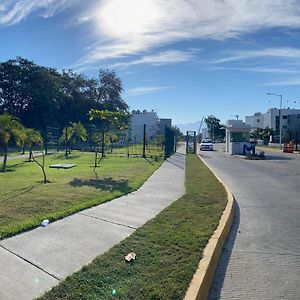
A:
(137, 149)
(168, 248)
(25, 201)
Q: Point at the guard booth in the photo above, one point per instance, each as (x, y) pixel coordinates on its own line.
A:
(238, 138)
(191, 143)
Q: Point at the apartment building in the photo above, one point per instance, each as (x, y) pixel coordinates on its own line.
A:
(154, 126)
(289, 122)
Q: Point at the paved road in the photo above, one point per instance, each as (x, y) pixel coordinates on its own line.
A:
(261, 259)
(35, 261)
(25, 156)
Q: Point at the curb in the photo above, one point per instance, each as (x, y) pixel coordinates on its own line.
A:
(203, 277)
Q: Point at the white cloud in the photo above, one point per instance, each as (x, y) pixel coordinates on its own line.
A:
(258, 70)
(13, 12)
(288, 82)
(268, 52)
(162, 58)
(138, 26)
(142, 90)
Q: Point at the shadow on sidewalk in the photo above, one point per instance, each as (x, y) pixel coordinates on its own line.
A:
(219, 277)
(105, 184)
(175, 162)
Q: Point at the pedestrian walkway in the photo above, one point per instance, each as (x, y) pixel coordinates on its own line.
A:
(33, 262)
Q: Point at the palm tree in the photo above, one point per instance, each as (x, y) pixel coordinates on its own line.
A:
(112, 138)
(73, 134)
(78, 133)
(33, 137)
(9, 127)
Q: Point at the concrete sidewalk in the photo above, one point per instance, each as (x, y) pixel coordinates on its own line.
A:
(33, 262)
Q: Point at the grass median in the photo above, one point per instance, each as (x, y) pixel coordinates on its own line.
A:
(25, 201)
(168, 248)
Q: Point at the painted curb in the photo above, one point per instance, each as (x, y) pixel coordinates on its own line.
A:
(203, 277)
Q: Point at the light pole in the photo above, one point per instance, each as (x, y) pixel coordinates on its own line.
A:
(280, 129)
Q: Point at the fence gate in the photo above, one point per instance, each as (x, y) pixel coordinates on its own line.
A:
(191, 144)
(170, 142)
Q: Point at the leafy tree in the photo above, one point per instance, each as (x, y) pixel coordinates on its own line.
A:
(215, 129)
(261, 134)
(29, 92)
(9, 127)
(110, 91)
(80, 95)
(14, 85)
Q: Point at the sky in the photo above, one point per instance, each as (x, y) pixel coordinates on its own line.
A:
(185, 59)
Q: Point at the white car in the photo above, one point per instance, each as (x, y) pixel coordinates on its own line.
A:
(206, 145)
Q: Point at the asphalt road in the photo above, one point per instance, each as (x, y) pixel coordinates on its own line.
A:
(261, 259)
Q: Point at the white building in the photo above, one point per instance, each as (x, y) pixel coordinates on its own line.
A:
(154, 125)
(270, 119)
(256, 121)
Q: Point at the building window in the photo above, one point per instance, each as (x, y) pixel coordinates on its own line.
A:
(284, 127)
(284, 117)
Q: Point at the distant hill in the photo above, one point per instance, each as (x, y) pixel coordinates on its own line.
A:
(189, 127)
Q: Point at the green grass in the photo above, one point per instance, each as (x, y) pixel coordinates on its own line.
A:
(168, 248)
(137, 149)
(25, 201)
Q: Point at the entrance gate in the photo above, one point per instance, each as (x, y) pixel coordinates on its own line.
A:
(191, 144)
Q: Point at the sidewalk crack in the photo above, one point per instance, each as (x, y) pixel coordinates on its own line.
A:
(30, 262)
(108, 221)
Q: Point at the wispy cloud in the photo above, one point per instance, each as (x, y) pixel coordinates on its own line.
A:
(162, 58)
(258, 70)
(287, 82)
(134, 27)
(142, 90)
(13, 12)
(268, 52)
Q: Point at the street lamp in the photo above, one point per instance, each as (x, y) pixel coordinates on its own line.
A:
(280, 129)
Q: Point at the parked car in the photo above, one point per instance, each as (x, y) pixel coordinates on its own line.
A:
(206, 145)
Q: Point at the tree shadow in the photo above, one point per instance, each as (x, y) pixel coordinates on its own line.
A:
(175, 162)
(105, 184)
(219, 277)
(13, 168)
(22, 191)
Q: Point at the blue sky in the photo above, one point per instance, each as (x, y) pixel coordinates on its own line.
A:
(184, 58)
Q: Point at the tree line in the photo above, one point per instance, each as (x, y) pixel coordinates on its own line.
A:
(41, 96)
